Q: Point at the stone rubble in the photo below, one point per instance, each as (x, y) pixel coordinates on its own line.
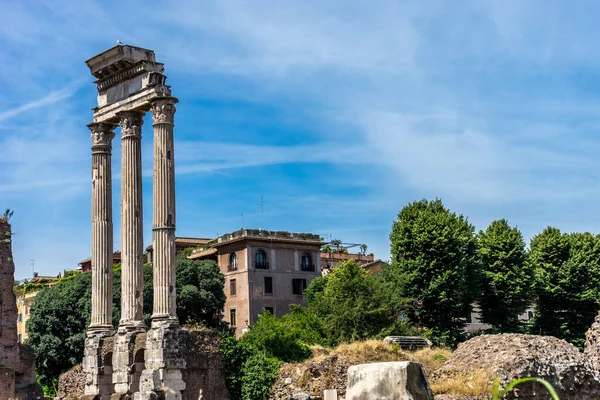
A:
(513, 356)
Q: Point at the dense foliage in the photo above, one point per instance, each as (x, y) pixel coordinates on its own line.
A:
(567, 272)
(61, 313)
(350, 304)
(57, 326)
(200, 295)
(506, 279)
(434, 259)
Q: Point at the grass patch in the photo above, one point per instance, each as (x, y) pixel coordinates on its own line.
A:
(477, 383)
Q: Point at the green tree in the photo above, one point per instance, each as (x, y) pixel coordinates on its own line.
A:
(57, 325)
(434, 258)
(548, 253)
(506, 279)
(350, 304)
(270, 335)
(200, 295)
(567, 269)
(304, 325)
(260, 373)
(363, 249)
(234, 355)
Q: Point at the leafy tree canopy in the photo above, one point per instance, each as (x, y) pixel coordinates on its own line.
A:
(507, 279)
(567, 271)
(434, 257)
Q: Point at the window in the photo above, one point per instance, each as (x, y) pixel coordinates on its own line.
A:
(307, 264)
(260, 260)
(232, 262)
(298, 286)
(232, 288)
(529, 315)
(268, 285)
(232, 317)
(270, 310)
(19, 339)
(20, 317)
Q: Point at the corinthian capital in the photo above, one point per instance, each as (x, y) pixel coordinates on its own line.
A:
(131, 124)
(163, 111)
(102, 135)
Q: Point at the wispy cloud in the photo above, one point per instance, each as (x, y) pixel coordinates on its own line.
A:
(50, 99)
(487, 105)
(195, 157)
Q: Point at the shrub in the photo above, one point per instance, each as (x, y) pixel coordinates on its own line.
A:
(260, 373)
(268, 334)
(234, 355)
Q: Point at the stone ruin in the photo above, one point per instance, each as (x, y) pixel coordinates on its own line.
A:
(17, 363)
(134, 361)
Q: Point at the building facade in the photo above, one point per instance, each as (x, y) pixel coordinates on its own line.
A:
(329, 259)
(86, 265)
(263, 270)
(25, 296)
(181, 243)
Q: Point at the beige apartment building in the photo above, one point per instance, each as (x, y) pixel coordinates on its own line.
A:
(25, 297)
(264, 270)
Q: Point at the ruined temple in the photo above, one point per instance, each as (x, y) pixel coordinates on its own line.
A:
(133, 360)
(17, 363)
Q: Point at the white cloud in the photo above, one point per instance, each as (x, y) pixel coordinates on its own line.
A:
(50, 99)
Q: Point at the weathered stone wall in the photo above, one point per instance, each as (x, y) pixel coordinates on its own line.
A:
(17, 363)
(202, 375)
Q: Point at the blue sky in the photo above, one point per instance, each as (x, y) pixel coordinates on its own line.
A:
(338, 113)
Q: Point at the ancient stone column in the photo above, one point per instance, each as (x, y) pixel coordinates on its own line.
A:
(102, 227)
(132, 246)
(162, 378)
(163, 229)
(97, 380)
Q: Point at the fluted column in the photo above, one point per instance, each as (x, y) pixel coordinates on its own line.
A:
(102, 227)
(132, 247)
(163, 228)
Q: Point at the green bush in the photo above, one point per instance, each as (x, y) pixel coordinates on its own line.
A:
(234, 355)
(260, 373)
(268, 334)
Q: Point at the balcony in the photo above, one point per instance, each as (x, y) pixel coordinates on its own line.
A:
(261, 265)
(308, 267)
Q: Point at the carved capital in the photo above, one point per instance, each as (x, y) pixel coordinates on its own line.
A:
(131, 124)
(102, 135)
(163, 111)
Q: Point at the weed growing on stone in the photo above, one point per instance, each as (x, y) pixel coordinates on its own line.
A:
(514, 383)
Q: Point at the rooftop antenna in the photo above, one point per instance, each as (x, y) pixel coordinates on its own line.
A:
(262, 212)
(242, 220)
(32, 267)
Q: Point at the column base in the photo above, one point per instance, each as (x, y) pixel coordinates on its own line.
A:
(97, 365)
(164, 361)
(128, 360)
(99, 329)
